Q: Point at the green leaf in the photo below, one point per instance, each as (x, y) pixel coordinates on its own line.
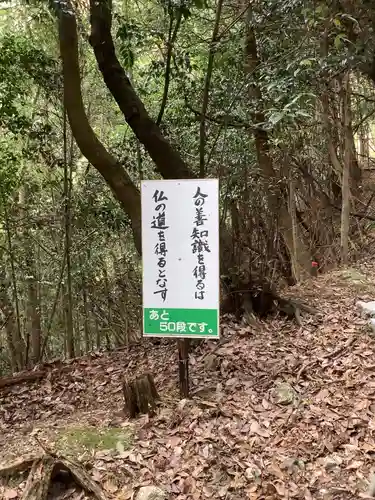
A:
(337, 22)
(339, 40)
(276, 117)
(127, 56)
(200, 4)
(306, 62)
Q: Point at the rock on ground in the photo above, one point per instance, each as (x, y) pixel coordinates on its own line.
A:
(368, 308)
(283, 394)
(151, 493)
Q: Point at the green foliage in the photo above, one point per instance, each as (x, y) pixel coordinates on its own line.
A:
(21, 65)
(9, 168)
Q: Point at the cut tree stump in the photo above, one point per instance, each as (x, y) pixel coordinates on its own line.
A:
(140, 395)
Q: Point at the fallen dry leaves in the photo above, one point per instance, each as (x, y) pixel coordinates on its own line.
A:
(235, 439)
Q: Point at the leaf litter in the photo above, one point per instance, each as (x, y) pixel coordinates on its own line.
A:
(284, 411)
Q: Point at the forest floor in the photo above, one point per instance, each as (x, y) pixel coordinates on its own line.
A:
(278, 411)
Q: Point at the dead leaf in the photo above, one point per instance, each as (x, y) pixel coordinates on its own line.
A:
(10, 494)
(275, 469)
(308, 495)
(255, 428)
(110, 486)
(355, 464)
(120, 446)
(322, 395)
(206, 451)
(266, 404)
(97, 476)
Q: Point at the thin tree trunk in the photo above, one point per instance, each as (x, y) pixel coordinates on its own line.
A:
(34, 330)
(336, 171)
(8, 321)
(364, 151)
(345, 211)
(355, 169)
(18, 342)
(206, 91)
(54, 305)
(293, 214)
(109, 305)
(172, 35)
(86, 323)
(68, 296)
(33, 307)
(33, 316)
(97, 334)
(276, 202)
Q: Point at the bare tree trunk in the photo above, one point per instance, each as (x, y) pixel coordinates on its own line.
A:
(97, 334)
(206, 91)
(33, 309)
(166, 158)
(355, 169)
(108, 318)
(8, 319)
(172, 35)
(34, 330)
(68, 296)
(364, 150)
(276, 204)
(107, 165)
(86, 322)
(345, 211)
(293, 214)
(336, 171)
(13, 313)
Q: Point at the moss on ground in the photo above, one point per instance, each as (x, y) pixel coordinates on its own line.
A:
(357, 279)
(76, 441)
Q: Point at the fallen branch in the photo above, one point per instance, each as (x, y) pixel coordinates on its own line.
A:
(46, 468)
(39, 479)
(80, 476)
(19, 465)
(22, 377)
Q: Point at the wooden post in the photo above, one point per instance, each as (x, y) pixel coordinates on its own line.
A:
(183, 366)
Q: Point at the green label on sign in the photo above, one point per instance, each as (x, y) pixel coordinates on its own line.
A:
(181, 322)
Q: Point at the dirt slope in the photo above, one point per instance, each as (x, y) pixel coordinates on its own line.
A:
(280, 411)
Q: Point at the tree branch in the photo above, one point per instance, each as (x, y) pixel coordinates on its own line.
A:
(171, 41)
(207, 83)
(167, 160)
(227, 120)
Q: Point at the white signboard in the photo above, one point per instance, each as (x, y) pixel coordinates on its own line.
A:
(180, 247)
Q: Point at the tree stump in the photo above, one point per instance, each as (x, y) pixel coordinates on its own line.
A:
(140, 395)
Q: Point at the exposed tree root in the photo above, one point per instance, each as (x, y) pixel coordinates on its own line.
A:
(249, 300)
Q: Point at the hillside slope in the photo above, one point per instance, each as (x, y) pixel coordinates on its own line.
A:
(278, 410)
